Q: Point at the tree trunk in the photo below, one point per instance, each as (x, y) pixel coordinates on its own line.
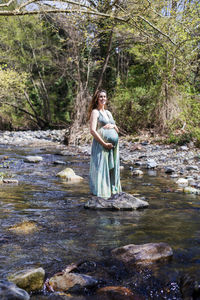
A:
(80, 116)
(99, 83)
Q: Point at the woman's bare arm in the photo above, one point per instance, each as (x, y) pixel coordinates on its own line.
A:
(93, 131)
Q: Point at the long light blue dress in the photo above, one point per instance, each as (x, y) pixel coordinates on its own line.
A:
(104, 163)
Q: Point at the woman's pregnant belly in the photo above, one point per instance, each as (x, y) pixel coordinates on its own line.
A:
(109, 135)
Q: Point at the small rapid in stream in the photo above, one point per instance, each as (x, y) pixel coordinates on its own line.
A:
(64, 232)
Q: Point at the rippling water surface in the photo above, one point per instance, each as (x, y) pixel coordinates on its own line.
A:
(60, 231)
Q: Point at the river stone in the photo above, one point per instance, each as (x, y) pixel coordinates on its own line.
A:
(182, 182)
(174, 176)
(192, 167)
(139, 163)
(143, 254)
(66, 153)
(151, 164)
(59, 162)
(33, 159)
(121, 201)
(10, 181)
(29, 280)
(191, 190)
(137, 173)
(24, 227)
(9, 291)
(169, 170)
(184, 148)
(71, 282)
(116, 291)
(69, 175)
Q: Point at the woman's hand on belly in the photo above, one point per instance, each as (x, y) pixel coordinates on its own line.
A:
(109, 126)
(108, 146)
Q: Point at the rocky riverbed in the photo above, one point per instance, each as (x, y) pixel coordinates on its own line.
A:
(181, 163)
(39, 137)
(40, 213)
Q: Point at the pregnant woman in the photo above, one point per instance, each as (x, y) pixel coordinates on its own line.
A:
(104, 162)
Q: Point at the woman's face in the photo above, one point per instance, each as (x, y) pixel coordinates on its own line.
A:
(102, 99)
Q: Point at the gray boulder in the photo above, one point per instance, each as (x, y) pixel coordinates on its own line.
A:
(9, 291)
(143, 254)
(121, 201)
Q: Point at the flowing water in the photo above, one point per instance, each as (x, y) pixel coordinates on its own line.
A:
(59, 231)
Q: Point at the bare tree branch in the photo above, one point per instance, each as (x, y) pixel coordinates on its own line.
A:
(16, 12)
(81, 9)
(150, 4)
(157, 29)
(92, 3)
(148, 22)
(21, 109)
(7, 4)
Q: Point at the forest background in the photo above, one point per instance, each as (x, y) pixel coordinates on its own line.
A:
(146, 54)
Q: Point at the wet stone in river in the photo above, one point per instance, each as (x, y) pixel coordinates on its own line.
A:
(29, 280)
(151, 164)
(69, 175)
(169, 170)
(9, 290)
(121, 201)
(71, 282)
(143, 254)
(116, 293)
(33, 159)
(137, 172)
(59, 162)
(10, 181)
(24, 228)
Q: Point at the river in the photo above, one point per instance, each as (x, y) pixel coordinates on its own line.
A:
(64, 232)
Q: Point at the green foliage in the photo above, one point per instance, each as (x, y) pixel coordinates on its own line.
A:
(152, 74)
(187, 127)
(192, 118)
(180, 139)
(133, 103)
(158, 86)
(12, 84)
(34, 48)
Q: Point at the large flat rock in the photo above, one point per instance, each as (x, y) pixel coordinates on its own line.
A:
(121, 201)
(143, 254)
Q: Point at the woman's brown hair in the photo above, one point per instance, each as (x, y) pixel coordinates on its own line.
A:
(94, 101)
